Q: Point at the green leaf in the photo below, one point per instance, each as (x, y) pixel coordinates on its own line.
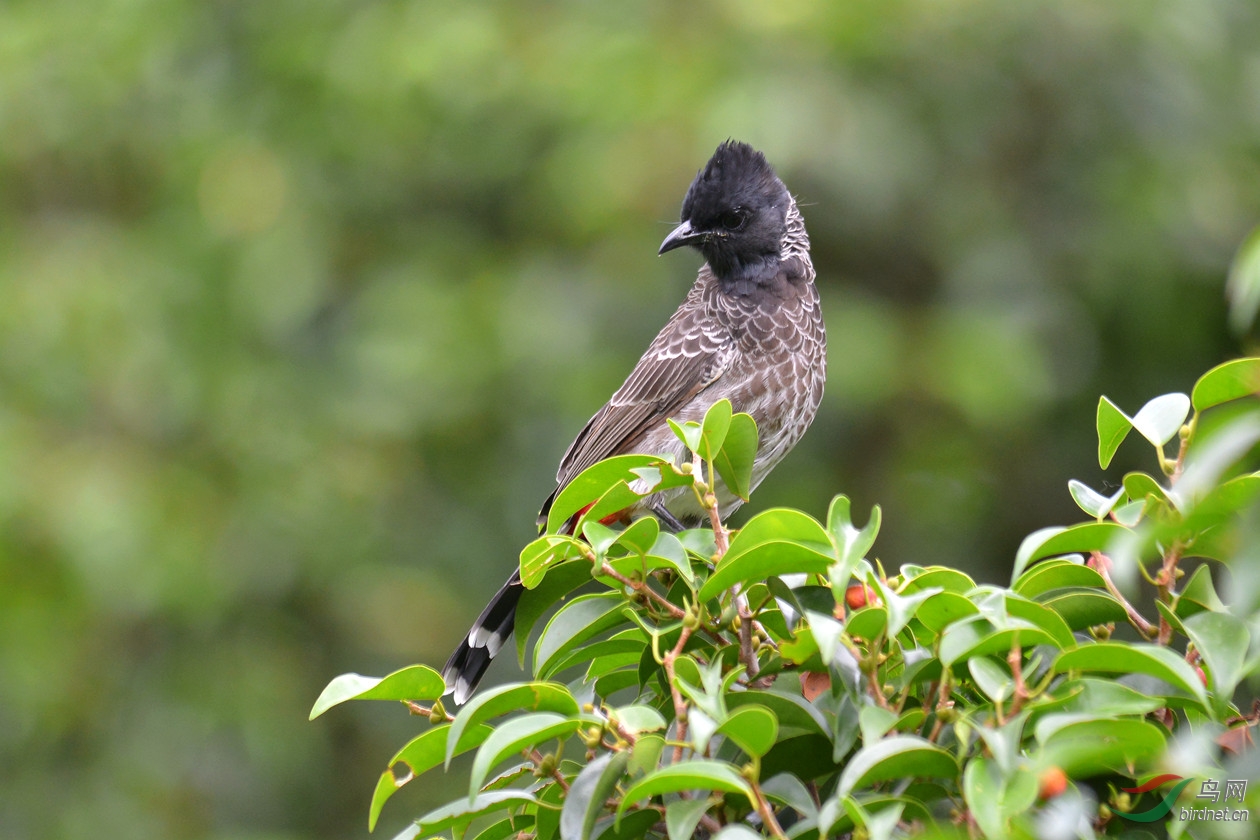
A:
(1113, 427)
(851, 543)
(514, 697)
(689, 433)
(943, 609)
(639, 718)
(897, 757)
(1133, 658)
(994, 797)
(1042, 616)
(1053, 542)
(793, 712)
(421, 754)
(977, 636)
(1226, 382)
(696, 774)
(1091, 501)
(753, 728)
(574, 623)
(939, 577)
(1140, 486)
(1159, 420)
(462, 812)
(758, 562)
(520, 733)
(1198, 594)
(587, 794)
(1057, 574)
(713, 429)
(1085, 748)
(418, 682)
(545, 552)
(992, 678)
(734, 462)
(559, 583)
(594, 483)
(1242, 287)
(683, 815)
(1222, 640)
(1081, 609)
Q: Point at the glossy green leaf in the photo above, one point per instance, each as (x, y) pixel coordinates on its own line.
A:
(977, 636)
(639, 718)
(689, 433)
(462, 811)
(683, 815)
(1113, 427)
(713, 429)
(992, 679)
(994, 797)
(584, 803)
(1089, 747)
(1043, 617)
(1081, 609)
(697, 774)
(418, 682)
(1225, 382)
(421, 754)
(1242, 286)
(1140, 486)
(851, 543)
(502, 700)
(758, 562)
(1091, 501)
(943, 609)
(1222, 640)
(753, 728)
(573, 624)
(1090, 536)
(734, 462)
(1133, 658)
(896, 757)
(595, 482)
(1057, 574)
(1198, 594)
(939, 577)
(1159, 420)
(545, 552)
(520, 733)
(794, 714)
(560, 582)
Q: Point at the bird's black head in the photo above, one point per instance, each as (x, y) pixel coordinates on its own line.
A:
(735, 214)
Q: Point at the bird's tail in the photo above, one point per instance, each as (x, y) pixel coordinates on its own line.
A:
(488, 635)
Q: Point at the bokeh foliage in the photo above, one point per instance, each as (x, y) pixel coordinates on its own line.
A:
(301, 303)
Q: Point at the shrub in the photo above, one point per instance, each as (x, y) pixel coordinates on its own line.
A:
(781, 681)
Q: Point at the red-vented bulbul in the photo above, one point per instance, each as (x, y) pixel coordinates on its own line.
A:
(750, 331)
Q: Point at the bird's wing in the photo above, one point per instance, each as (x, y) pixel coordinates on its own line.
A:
(688, 355)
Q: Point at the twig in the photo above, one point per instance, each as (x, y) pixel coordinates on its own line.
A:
(767, 813)
(1101, 563)
(1016, 660)
(680, 705)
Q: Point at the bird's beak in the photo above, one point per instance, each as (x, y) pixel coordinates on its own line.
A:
(682, 235)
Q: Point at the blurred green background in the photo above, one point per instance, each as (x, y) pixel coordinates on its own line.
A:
(300, 304)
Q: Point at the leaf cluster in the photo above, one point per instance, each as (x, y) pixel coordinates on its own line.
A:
(781, 681)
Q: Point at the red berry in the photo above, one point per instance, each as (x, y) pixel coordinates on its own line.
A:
(1202, 676)
(857, 596)
(1052, 783)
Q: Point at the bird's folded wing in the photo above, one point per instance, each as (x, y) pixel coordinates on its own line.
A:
(687, 356)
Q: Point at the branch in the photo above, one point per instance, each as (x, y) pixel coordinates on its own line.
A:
(1101, 563)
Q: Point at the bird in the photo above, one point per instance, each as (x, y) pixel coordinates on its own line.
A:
(750, 330)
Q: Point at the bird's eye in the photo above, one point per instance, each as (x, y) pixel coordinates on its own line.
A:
(733, 219)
